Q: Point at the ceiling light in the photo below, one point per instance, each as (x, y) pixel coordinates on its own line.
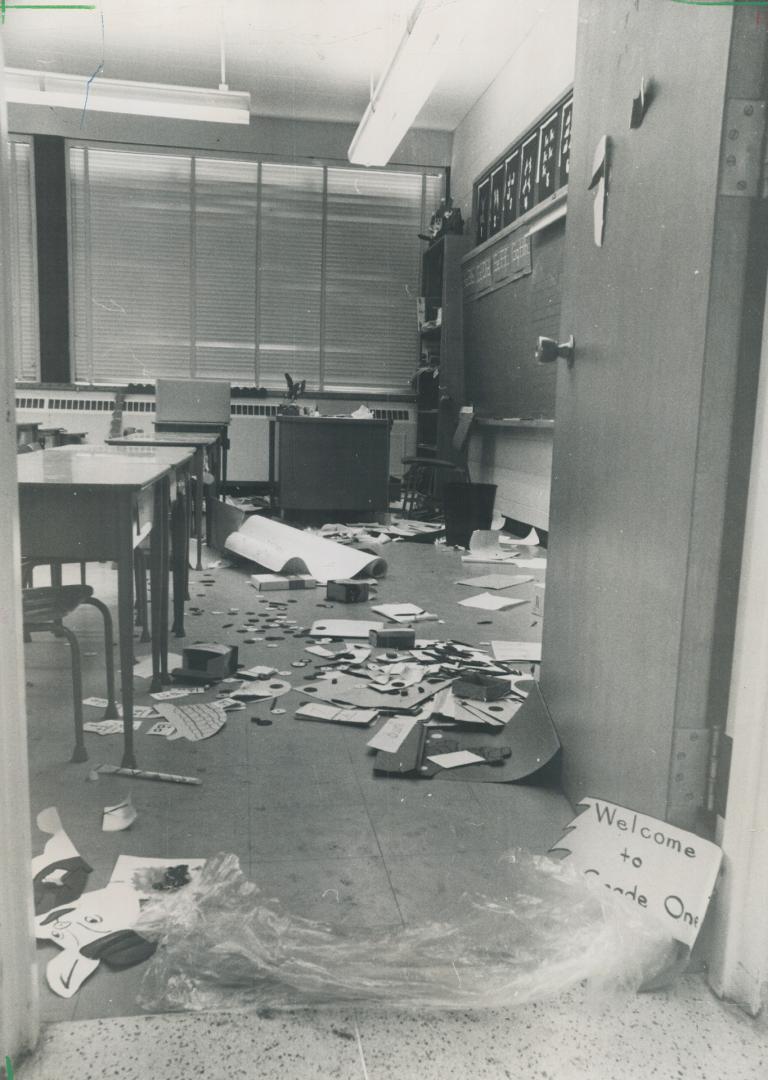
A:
(433, 34)
(122, 96)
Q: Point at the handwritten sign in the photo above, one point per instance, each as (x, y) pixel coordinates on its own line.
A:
(497, 198)
(664, 871)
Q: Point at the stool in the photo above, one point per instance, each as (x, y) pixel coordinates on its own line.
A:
(44, 609)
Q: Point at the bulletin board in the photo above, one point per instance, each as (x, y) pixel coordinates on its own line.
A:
(501, 325)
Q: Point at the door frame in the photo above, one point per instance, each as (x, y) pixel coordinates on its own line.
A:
(19, 1006)
(739, 950)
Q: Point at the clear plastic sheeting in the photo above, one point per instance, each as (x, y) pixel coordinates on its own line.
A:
(222, 944)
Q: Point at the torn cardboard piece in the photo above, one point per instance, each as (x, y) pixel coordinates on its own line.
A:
(334, 714)
(488, 602)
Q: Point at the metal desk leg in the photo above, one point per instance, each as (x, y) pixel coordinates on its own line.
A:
(179, 556)
(125, 624)
(156, 583)
(165, 568)
(199, 490)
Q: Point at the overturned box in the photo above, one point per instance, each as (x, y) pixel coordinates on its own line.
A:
(347, 590)
(205, 663)
(480, 687)
(276, 582)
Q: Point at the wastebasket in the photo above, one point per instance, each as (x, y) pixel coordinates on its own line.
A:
(467, 507)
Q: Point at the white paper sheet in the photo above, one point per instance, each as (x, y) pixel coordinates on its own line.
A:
(496, 581)
(517, 650)
(532, 564)
(343, 628)
(403, 613)
(316, 710)
(177, 692)
(108, 727)
(391, 736)
(286, 550)
(487, 602)
(455, 759)
(162, 727)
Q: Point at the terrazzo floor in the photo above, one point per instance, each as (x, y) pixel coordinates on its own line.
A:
(300, 807)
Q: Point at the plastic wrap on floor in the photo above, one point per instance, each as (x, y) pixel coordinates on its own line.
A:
(223, 944)
(285, 550)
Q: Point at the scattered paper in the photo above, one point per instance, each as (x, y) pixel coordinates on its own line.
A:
(140, 712)
(177, 692)
(401, 613)
(490, 558)
(315, 710)
(109, 727)
(119, 817)
(487, 602)
(96, 702)
(390, 737)
(532, 564)
(257, 672)
(456, 758)
(194, 722)
(517, 650)
(343, 628)
(496, 581)
(162, 727)
(260, 691)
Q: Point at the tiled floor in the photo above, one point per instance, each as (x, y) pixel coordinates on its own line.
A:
(299, 805)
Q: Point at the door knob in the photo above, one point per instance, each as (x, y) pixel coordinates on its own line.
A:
(548, 350)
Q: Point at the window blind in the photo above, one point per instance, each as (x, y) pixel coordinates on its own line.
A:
(195, 264)
(23, 260)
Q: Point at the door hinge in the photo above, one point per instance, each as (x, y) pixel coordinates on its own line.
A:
(742, 164)
(718, 772)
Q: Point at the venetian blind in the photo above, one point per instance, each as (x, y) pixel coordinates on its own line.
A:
(187, 263)
(23, 260)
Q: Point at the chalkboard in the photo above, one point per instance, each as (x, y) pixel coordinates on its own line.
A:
(501, 326)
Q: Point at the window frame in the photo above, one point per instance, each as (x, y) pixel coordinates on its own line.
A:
(424, 171)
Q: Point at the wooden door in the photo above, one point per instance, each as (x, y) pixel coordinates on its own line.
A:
(653, 419)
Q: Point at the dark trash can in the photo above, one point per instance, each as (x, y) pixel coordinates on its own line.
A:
(467, 507)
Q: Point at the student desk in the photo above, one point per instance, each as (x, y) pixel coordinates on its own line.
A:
(201, 442)
(218, 449)
(96, 503)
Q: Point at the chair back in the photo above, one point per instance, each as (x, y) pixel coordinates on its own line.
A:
(200, 400)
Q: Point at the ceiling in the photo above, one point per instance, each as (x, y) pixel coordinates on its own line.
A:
(305, 59)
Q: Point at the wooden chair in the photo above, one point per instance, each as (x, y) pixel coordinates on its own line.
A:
(44, 609)
(424, 476)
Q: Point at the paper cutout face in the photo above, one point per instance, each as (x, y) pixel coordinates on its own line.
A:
(97, 927)
(59, 874)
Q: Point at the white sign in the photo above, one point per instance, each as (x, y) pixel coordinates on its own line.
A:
(663, 870)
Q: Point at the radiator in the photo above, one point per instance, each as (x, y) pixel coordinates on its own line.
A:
(248, 458)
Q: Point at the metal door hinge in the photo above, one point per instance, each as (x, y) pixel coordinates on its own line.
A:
(718, 772)
(742, 165)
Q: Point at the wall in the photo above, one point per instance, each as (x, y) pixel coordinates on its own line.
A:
(284, 138)
(542, 67)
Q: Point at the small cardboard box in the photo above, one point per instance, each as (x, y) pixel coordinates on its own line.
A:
(347, 590)
(205, 663)
(475, 685)
(393, 637)
(275, 582)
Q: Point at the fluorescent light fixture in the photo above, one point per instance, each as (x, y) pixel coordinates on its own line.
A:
(432, 37)
(122, 96)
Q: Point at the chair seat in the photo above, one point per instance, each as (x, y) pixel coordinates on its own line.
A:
(47, 604)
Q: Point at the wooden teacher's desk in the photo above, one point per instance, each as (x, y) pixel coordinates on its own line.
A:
(330, 463)
(95, 504)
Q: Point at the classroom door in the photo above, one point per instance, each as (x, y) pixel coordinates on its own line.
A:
(654, 417)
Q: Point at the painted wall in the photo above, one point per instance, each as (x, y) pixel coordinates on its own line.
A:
(540, 69)
(284, 138)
